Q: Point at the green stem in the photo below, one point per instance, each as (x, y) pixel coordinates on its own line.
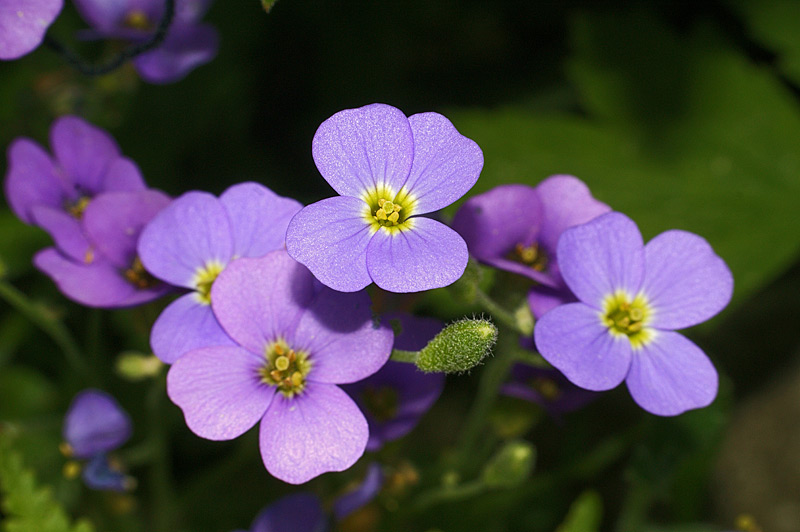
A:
(162, 491)
(398, 355)
(53, 328)
(501, 314)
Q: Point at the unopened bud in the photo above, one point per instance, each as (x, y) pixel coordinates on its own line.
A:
(135, 366)
(458, 347)
(511, 466)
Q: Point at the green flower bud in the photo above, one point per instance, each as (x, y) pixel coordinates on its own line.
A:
(135, 366)
(511, 466)
(459, 347)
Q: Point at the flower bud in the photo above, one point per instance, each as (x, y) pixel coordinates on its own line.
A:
(135, 366)
(511, 466)
(458, 347)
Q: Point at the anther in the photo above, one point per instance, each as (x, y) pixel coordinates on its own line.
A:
(282, 363)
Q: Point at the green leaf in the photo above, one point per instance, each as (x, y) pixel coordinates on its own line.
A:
(713, 151)
(584, 514)
(28, 507)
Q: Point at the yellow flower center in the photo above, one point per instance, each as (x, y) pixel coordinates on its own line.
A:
(138, 276)
(76, 208)
(137, 20)
(532, 256)
(382, 403)
(285, 368)
(547, 388)
(387, 209)
(204, 279)
(628, 316)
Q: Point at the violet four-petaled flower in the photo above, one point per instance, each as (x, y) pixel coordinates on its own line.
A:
(548, 388)
(389, 170)
(23, 24)
(192, 241)
(398, 395)
(516, 228)
(299, 512)
(631, 299)
(53, 193)
(95, 424)
(295, 341)
(187, 45)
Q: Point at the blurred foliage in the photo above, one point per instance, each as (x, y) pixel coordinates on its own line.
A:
(681, 116)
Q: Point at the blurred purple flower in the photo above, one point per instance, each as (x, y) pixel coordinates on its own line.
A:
(111, 275)
(516, 228)
(300, 512)
(546, 387)
(95, 425)
(53, 193)
(398, 395)
(631, 298)
(188, 44)
(23, 24)
(362, 495)
(294, 342)
(192, 241)
(388, 170)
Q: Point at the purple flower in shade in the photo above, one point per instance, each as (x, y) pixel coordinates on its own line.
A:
(294, 342)
(111, 275)
(516, 228)
(53, 193)
(631, 298)
(188, 44)
(23, 24)
(388, 170)
(192, 241)
(546, 387)
(362, 495)
(396, 397)
(95, 425)
(300, 512)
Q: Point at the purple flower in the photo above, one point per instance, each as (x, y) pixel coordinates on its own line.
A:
(547, 388)
(111, 274)
(188, 43)
(192, 241)
(631, 298)
(388, 170)
(300, 512)
(294, 342)
(23, 24)
(396, 397)
(362, 495)
(95, 425)
(516, 228)
(53, 193)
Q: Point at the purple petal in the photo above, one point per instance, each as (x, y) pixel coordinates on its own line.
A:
(103, 14)
(83, 151)
(123, 175)
(32, 180)
(183, 326)
(66, 231)
(542, 299)
(318, 431)
(601, 257)
(114, 220)
(185, 48)
(100, 474)
(219, 391)
(23, 24)
(566, 201)
(670, 375)
(446, 163)
(299, 512)
(343, 342)
(563, 396)
(95, 423)
(99, 284)
(685, 282)
(494, 222)
(260, 300)
(415, 393)
(425, 255)
(259, 218)
(361, 150)
(191, 232)
(362, 495)
(330, 237)
(574, 340)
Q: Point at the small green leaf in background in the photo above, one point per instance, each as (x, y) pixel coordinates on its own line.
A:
(27, 506)
(584, 515)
